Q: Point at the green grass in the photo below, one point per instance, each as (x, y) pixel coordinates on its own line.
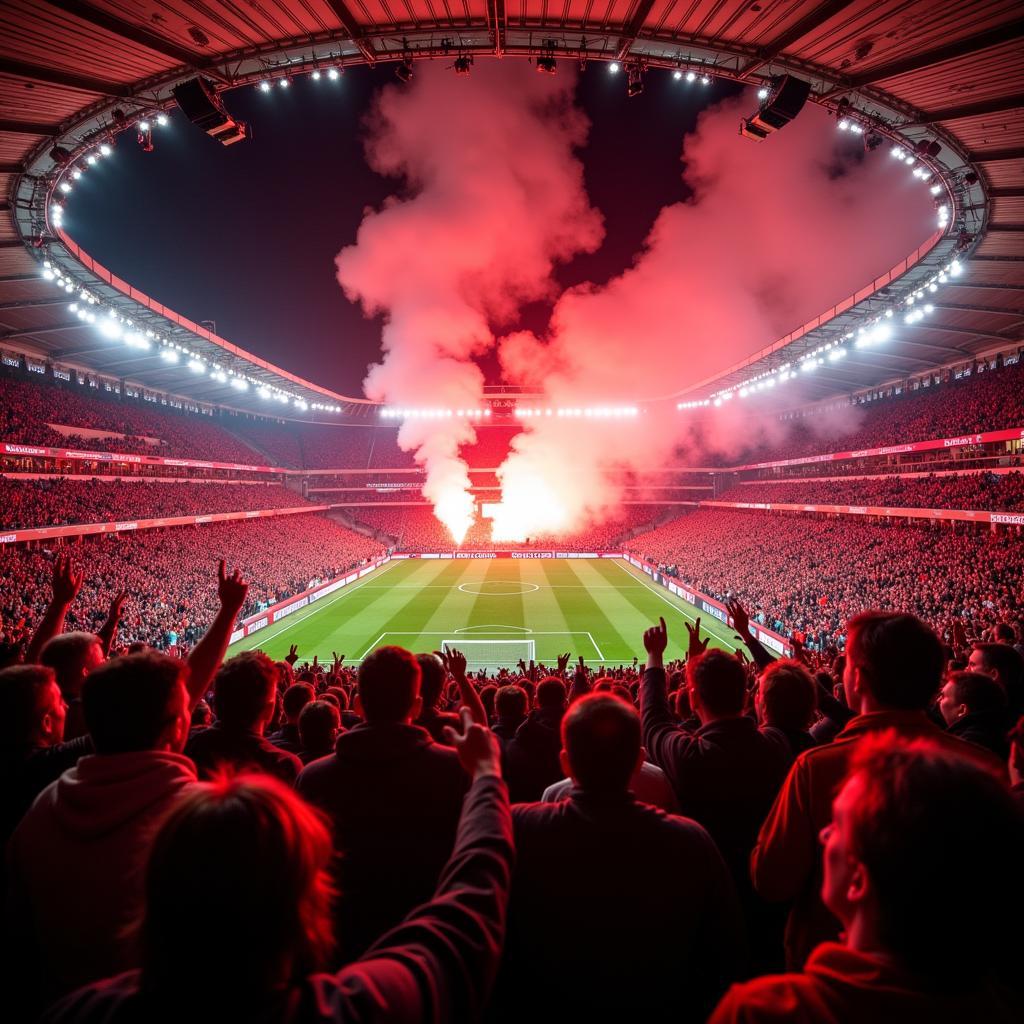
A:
(595, 607)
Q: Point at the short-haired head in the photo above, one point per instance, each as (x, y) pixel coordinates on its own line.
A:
(511, 702)
(788, 695)
(432, 678)
(389, 685)
(319, 722)
(893, 658)
(245, 691)
(137, 702)
(72, 656)
(296, 697)
(551, 693)
(912, 800)
(717, 683)
(601, 742)
(32, 708)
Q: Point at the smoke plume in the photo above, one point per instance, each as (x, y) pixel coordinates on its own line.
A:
(772, 235)
(493, 198)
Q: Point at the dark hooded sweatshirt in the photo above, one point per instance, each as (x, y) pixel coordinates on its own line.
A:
(394, 797)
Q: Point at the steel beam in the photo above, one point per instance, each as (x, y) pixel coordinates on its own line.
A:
(28, 332)
(985, 156)
(29, 128)
(351, 26)
(633, 27)
(800, 28)
(51, 76)
(996, 105)
(1005, 33)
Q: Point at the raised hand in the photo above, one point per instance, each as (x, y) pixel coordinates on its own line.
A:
(117, 605)
(563, 661)
(740, 618)
(477, 747)
(231, 589)
(338, 659)
(67, 580)
(656, 639)
(696, 646)
(293, 654)
(456, 663)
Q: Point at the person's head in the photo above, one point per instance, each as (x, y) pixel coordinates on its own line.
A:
(1001, 662)
(137, 702)
(202, 715)
(601, 743)
(389, 686)
(1004, 633)
(717, 683)
(32, 708)
(432, 679)
(296, 697)
(965, 693)
(319, 722)
(340, 696)
(72, 656)
(511, 703)
(682, 703)
(551, 694)
(913, 822)
(245, 692)
(487, 695)
(264, 856)
(787, 696)
(893, 662)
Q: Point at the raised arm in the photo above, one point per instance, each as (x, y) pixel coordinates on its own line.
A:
(455, 662)
(108, 631)
(207, 655)
(439, 965)
(666, 743)
(67, 582)
(580, 683)
(741, 621)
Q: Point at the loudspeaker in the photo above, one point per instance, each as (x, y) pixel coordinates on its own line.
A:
(784, 102)
(200, 103)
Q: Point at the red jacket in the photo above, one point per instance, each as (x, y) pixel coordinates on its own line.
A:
(843, 986)
(786, 862)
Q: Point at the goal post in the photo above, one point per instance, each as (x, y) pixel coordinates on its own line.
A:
(492, 653)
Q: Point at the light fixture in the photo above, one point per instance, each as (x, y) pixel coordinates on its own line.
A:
(333, 74)
(265, 85)
(161, 119)
(613, 68)
(284, 83)
(316, 75)
(403, 71)
(691, 76)
(677, 74)
(105, 150)
(762, 93)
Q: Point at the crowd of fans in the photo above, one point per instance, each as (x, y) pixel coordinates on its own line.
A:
(416, 528)
(713, 837)
(58, 501)
(28, 408)
(992, 400)
(165, 573)
(807, 576)
(991, 492)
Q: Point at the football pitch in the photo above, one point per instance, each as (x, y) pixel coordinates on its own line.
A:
(597, 608)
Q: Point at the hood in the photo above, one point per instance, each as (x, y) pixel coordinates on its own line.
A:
(382, 742)
(104, 792)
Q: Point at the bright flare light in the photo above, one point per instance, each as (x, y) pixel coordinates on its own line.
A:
(613, 68)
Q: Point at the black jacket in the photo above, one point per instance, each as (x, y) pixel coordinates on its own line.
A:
(531, 756)
(987, 729)
(240, 749)
(618, 912)
(394, 797)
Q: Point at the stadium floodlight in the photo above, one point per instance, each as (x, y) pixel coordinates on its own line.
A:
(65, 187)
(333, 74)
(144, 126)
(284, 83)
(613, 68)
(705, 80)
(162, 120)
(762, 93)
(265, 85)
(110, 329)
(105, 150)
(677, 74)
(76, 174)
(315, 75)
(691, 76)
(241, 385)
(168, 355)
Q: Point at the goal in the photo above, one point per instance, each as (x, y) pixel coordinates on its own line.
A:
(492, 653)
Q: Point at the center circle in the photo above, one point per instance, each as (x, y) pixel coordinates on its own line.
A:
(509, 588)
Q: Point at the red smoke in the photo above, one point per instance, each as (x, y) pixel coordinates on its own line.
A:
(772, 237)
(493, 198)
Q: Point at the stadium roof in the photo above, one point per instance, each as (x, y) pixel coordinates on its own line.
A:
(74, 73)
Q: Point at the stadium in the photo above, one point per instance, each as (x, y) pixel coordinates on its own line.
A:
(611, 455)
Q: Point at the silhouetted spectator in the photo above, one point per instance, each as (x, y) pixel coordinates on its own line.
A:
(393, 796)
(319, 725)
(902, 803)
(787, 696)
(296, 697)
(531, 757)
(244, 693)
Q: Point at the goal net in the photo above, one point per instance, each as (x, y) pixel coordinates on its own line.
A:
(492, 653)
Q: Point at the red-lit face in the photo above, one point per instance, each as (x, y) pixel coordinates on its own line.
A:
(52, 714)
(976, 663)
(842, 886)
(950, 707)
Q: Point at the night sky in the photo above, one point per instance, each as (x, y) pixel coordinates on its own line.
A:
(246, 235)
